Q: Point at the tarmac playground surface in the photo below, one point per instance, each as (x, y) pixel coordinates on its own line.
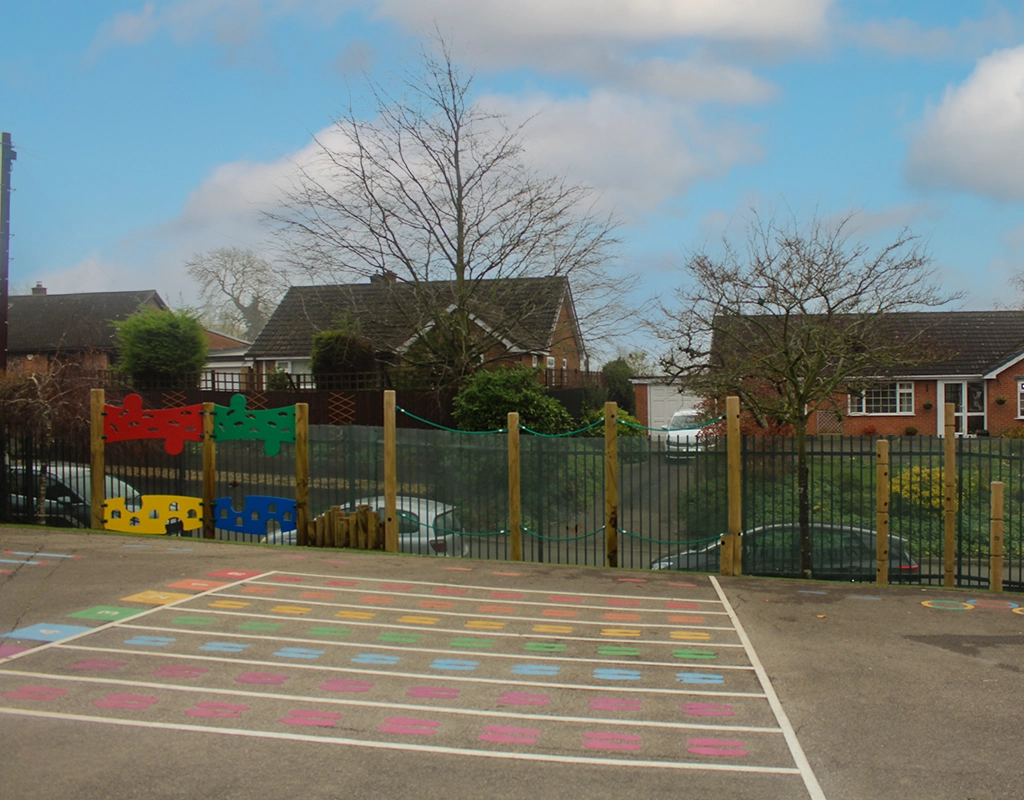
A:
(155, 667)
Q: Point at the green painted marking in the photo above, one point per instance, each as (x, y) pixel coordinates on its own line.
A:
(329, 631)
(400, 638)
(473, 644)
(544, 647)
(260, 626)
(695, 654)
(616, 650)
(109, 613)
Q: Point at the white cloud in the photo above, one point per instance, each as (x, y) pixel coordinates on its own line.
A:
(974, 139)
(907, 37)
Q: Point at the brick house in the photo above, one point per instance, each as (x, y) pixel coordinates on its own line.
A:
(528, 321)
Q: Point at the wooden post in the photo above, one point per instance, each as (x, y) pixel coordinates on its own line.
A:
(949, 499)
(302, 473)
(882, 491)
(515, 509)
(995, 569)
(209, 472)
(97, 461)
(390, 475)
(611, 484)
(732, 548)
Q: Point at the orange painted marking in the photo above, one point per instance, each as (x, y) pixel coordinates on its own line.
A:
(563, 613)
(622, 617)
(437, 605)
(687, 620)
(318, 595)
(497, 609)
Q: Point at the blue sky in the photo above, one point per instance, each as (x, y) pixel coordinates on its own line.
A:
(150, 131)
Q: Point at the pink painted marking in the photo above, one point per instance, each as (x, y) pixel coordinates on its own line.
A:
(197, 585)
(347, 686)
(12, 649)
(342, 583)
(716, 747)
(98, 665)
(286, 579)
(433, 693)
(436, 605)
(676, 605)
(378, 601)
(448, 590)
(707, 710)
(523, 699)
(506, 595)
(689, 620)
(614, 704)
(564, 598)
(180, 671)
(599, 740)
(315, 719)
(503, 734)
(317, 595)
(562, 613)
(217, 710)
(136, 702)
(623, 602)
(407, 726)
(262, 678)
(396, 587)
(43, 693)
(508, 574)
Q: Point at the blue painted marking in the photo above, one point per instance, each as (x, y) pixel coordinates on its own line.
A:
(698, 677)
(181, 549)
(29, 563)
(43, 555)
(299, 652)
(150, 641)
(224, 647)
(454, 664)
(617, 674)
(376, 658)
(43, 632)
(535, 669)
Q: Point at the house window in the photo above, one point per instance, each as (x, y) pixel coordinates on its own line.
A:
(884, 398)
(1020, 398)
(535, 361)
(565, 363)
(551, 362)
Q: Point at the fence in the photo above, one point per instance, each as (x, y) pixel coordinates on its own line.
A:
(592, 498)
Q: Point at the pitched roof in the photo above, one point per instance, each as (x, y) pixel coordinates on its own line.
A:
(521, 311)
(47, 323)
(957, 343)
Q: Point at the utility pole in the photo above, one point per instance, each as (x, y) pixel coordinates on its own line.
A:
(7, 156)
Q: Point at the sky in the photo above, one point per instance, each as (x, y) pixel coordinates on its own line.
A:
(147, 132)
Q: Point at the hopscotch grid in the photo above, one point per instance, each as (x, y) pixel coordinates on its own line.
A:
(466, 651)
(470, 712)
(418, 748)
(465, 631)
(413, 675)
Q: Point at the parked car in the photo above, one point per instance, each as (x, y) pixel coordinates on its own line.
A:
(681, 436)
(68, 494)
(425, 526)
(838, 552)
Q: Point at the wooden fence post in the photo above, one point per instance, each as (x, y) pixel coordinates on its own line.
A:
(611, 484)
(515, 509)
(882, 525)
(302, 474)
(97, 463)
(949, 499)
(209, 472)
(732, 548)
(390, 474)
(995, 569)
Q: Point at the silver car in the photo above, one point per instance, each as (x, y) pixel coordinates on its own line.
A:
(68, 494)
(428, 527)
(682, 437)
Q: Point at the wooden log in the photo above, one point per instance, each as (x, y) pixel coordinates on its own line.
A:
(373, 541)
(995, 570)
(361, 522)
(611, 484)
(949, 499)
(97, 485)
(336, 516)
(882, 513)
(515, 508)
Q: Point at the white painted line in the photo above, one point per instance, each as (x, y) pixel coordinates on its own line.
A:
(804, 766)
(437, 675)
(466, 652)
(469, 712)
(416, 748)
(466, 631)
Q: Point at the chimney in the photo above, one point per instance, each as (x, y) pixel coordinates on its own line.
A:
(385, 278)
(39, 288)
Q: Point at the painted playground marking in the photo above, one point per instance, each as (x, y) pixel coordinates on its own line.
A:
(534, 676)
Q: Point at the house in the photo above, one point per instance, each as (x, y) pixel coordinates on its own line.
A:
(72, 328)
(521, 320)
(974, 359)
(226, 362)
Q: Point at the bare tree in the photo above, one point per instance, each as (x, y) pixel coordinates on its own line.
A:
(239, 289)
(794, 319)
(432, 188)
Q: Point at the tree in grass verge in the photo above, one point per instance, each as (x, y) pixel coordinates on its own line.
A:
(161, 348)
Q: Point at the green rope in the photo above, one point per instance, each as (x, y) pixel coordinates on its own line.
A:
(662, 541)
(560, 435)
(467, 533)
(450, 430)
(672, 430)
(536, 535)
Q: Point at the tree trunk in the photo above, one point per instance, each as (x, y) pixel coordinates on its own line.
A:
(803, 501)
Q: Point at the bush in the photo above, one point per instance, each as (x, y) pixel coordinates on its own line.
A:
(486, 399)
(910, 430)
(339, 352)
(160, 348)
(617, 374)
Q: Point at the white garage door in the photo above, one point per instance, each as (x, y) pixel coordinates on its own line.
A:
(664, 401)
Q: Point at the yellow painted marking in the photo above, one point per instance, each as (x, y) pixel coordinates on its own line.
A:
(485, 625)
(229, 604)
(157, 598)
(417, 620)
(290, 609)
(690, 635)
(620, 632)
(355, 614)
(552, 629)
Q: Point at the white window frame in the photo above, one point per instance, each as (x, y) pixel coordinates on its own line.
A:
(903, 400)
(551, 362)
(1020, 399)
